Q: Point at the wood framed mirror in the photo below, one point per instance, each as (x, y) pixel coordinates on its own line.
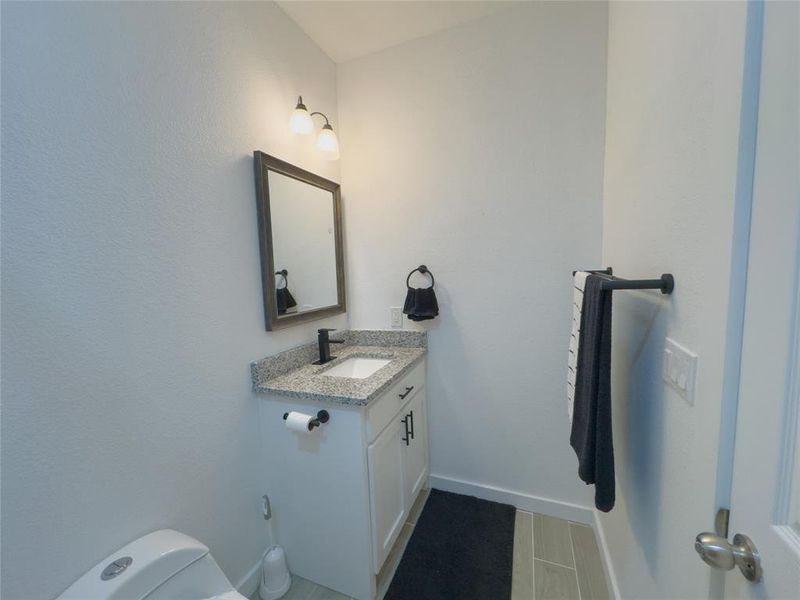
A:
(300, 237)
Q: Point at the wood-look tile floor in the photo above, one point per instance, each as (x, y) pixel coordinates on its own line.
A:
(554, 559)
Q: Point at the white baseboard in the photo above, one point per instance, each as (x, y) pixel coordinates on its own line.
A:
(526, 502)
(248, 584)
(611, 577)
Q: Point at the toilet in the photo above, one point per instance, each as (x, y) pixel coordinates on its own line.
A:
(163, 565)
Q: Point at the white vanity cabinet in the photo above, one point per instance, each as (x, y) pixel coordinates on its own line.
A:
(398, 464)
(341, 494)
(387, 494)
(415, 451)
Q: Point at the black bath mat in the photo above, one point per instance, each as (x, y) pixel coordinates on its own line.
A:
(462, 548)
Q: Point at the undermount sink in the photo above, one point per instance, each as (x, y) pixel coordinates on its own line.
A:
(357, 367)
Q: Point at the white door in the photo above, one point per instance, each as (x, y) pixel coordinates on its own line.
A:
(416, 449)
(387, 490)
(765, 503)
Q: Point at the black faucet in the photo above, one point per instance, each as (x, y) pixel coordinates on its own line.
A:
(325, 346)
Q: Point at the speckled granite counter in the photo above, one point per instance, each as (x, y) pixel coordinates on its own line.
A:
(291, 373)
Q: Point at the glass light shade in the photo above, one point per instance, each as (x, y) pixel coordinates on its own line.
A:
(327, 143)
(301, 122)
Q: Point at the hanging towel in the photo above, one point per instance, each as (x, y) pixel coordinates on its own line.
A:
(283, 297)
(578, 282)
(591, 436)
(285, 300)
(421, 304)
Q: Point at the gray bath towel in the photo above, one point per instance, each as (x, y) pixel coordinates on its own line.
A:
(591, 436)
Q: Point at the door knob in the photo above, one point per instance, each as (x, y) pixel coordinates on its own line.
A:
(719, 553)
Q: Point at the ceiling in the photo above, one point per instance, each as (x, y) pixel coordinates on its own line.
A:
(348, 30)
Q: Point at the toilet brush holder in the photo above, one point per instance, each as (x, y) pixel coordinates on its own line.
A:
(275, 577)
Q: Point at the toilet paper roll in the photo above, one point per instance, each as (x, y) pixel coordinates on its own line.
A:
(299, 422)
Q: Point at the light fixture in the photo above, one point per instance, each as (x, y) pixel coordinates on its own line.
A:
(301, 123)
(327, 142)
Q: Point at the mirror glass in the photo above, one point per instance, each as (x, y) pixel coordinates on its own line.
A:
(303, 244)
(301, 253)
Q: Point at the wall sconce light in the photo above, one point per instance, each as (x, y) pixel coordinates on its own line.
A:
(302, 123)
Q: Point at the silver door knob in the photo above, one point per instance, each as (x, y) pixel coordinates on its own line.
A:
(719, 553)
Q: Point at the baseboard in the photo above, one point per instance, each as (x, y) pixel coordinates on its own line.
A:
(599, 532)
(526, 502)
(248, 584)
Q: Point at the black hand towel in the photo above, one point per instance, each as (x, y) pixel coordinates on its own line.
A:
(284, 299)
(591, 436)
(421, 304)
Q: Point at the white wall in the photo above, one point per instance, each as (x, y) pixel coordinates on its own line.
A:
(131, 298)
(478, 151)
(672, 133)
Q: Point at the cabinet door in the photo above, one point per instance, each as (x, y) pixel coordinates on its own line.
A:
(416, 450)
(387, 491)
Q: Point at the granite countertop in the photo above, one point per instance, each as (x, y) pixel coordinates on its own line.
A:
(291, 373)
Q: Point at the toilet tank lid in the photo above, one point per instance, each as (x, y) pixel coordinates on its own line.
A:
(155, 558)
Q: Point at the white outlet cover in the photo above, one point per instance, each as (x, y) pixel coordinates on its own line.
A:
(679, 369)
(396, 317)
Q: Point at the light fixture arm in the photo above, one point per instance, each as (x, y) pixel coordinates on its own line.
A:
(324, 117)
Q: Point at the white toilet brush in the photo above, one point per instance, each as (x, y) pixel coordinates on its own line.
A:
(275, 577)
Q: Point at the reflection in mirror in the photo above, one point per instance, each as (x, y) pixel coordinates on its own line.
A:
(285, 300)
(303, 243)
(300, 233)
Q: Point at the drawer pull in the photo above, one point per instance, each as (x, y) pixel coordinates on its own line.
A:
(407, 392)
(411, 416)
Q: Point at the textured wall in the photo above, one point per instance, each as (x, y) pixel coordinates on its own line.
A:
(672, 133)
(478, 151)
(131, 298)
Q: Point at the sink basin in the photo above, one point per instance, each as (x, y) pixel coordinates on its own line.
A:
(357, 367)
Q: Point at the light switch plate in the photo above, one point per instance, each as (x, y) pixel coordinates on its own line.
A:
(396, 317)
(679, 369)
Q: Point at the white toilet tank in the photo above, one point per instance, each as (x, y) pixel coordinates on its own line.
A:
(163, 565)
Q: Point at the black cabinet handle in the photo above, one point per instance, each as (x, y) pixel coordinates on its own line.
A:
(411, 415)
(405, 423)
(407, 392)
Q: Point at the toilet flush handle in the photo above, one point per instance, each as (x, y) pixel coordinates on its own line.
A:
(115, 568)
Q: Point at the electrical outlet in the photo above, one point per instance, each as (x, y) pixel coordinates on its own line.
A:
(396, 317)
(679, 369)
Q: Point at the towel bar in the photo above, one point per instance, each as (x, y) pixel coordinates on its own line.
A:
(666, 283)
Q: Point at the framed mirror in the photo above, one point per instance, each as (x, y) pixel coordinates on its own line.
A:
(300, 235)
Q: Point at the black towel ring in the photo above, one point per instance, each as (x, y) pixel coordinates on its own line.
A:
(285, 274)
(424, 270)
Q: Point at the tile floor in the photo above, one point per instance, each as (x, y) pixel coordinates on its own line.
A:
(556, 559)
(553, 560)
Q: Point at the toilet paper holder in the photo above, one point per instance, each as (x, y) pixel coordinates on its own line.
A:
(322, 417)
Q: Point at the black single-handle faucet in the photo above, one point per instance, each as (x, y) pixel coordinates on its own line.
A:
(325, 346)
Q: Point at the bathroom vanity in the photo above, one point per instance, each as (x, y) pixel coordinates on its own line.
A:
(341, 493)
